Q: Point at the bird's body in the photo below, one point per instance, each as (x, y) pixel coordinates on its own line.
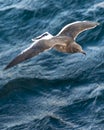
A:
(64, 42)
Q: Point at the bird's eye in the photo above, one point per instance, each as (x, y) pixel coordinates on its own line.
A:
(76, 50)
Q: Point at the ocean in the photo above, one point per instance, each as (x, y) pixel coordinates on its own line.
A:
(54, 90)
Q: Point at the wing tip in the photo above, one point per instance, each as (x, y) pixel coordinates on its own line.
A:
(4, 69)
(95, 23)
(7, 67)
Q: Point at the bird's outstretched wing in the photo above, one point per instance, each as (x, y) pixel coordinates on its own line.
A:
(33, 50)
(76, 28)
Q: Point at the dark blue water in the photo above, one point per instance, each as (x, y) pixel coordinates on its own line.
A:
(52, 91)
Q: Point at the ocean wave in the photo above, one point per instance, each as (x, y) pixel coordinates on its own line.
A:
(48, 122)
(53, 90)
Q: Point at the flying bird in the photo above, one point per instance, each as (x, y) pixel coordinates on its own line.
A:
(64, 42)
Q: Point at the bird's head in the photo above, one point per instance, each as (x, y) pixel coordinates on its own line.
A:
(76, 48)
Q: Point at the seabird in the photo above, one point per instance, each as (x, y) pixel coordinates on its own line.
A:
(64, 42)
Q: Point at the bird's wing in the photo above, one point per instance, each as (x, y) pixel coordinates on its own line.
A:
(76, 28)
(45, 35)
(33, 50)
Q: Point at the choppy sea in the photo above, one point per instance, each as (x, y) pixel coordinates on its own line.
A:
(52, 91)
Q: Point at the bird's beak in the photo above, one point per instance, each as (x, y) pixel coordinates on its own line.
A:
(83, 52)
